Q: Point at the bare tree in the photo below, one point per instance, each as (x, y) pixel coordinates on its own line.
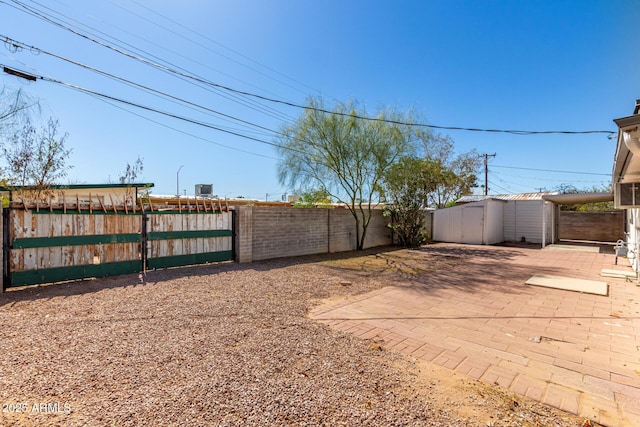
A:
(131, 172)
(15, 109)
(129, 176)
(36, 159)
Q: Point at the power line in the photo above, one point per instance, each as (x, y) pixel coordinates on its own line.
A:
(129, 52)
(551, 170)
(502, 188)
(189, 58)
(181, 131)
(17, 44)
(151, 109)
(544, 179)
(295, 105)
(191, 30)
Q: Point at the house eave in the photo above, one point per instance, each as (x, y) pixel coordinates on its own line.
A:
(624, 156)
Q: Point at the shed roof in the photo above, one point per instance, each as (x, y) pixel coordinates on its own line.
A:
(506, 197)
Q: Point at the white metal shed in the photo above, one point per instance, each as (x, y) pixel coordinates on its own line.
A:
(523, 217)
(479, 223)
(525, 220)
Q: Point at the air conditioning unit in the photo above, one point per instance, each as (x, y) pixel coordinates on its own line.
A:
(627, 195)
(204, 190)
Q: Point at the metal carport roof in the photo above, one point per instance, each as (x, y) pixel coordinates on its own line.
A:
(578, 198)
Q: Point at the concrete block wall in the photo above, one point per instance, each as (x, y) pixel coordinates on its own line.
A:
(265, 232)
(596, 226)
(244, 233)
(280, 232)
(342, 231)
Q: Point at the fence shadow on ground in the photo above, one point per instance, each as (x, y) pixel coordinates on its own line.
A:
(428, 269)
(79, 287)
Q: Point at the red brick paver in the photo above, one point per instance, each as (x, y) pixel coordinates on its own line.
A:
(574, 351)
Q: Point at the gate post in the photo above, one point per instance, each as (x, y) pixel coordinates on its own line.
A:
(5, 236)
(4, 257)
(144, 255)
(233, 235)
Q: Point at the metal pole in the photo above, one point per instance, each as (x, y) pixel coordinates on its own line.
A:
(178, 181)
(486, 175)
(486, 172)
(544, 226)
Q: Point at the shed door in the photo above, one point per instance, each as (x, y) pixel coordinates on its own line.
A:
(473, 224)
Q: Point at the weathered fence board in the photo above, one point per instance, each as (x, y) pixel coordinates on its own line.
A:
(189, 238)
(47, 246)
(54, 246)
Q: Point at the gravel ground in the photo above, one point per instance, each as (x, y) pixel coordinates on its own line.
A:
(227, 345)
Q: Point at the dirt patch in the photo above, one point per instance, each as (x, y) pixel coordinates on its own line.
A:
(404, 263)
(474, 403)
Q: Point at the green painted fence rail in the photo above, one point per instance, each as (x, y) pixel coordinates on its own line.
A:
(93, 249)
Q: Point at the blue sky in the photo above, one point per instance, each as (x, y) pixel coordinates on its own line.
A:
(531, 65)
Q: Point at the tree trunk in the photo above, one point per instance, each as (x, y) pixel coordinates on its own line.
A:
(358, 244)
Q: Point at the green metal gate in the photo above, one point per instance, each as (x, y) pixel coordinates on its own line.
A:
(54, 245)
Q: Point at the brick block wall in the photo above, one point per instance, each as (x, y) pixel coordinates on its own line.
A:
(244, 233)
(280, 232)
(597, 226)
(342, 231)
(265, 232)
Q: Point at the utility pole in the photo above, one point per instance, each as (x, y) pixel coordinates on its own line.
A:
(486, 171)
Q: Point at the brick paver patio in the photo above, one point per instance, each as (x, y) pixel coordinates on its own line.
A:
(574, 351)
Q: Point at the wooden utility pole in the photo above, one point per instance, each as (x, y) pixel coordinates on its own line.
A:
(486, 172)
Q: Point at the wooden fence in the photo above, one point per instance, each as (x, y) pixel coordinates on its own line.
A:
(43, 246)
(188, 238)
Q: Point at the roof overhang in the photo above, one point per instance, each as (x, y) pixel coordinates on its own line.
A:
(626, 164)
(578, 198)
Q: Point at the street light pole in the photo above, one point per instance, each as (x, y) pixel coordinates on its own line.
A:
(178, 181)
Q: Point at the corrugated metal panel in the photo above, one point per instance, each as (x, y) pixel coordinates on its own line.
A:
(475, 223)
(510, 222)
(447, 224)
(523, 218)
(529, 221)
(494, 223)
(507, 197)
(549, 209)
